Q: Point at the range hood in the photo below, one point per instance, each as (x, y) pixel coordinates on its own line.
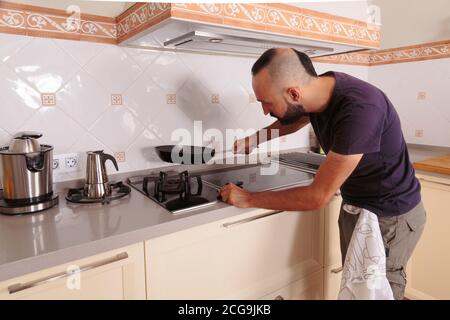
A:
(241, 29)
(228, 43)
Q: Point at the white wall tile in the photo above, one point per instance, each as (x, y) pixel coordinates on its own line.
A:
(83, 98)
(81, 52)
(10, 45)
(58, 129)
(19, 101)
(44, 65)
(114, 69)
(168, 72)
(117, 128)
(5, 138)
(402, 82)
(143, 57)
(145, 99)
(141, 153)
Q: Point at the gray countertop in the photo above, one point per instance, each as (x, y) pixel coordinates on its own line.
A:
(68, 232)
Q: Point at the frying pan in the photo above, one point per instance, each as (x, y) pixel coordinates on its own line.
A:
(184, 154)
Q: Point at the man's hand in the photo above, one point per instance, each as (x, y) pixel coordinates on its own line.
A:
(245, 145)
(235, 196)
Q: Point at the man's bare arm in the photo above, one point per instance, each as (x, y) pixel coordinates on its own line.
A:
(331, 175)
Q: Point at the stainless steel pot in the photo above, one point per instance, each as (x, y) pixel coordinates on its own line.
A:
(26, 167)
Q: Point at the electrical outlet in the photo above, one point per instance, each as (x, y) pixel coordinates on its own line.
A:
(68, 162)
(55, 164)
(71, 162)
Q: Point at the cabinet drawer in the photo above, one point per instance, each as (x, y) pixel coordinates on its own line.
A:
(117, 274)
(241, 258)
(308, 288)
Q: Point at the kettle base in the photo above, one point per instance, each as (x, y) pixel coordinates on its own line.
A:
(9, 209)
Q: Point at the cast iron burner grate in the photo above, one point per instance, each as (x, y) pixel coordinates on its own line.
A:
(172, 183)
(118, 190)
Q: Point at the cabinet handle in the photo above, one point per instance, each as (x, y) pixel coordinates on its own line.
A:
(235, 223)
(337, 270)
(432, 181)
(22, 286)
(279, 298)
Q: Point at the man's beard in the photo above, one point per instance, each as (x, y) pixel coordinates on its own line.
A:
(293, 114)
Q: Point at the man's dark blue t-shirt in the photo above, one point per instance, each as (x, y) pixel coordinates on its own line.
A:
(360, 119)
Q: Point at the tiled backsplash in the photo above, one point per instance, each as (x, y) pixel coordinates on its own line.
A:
(420, 94)
(87, 96)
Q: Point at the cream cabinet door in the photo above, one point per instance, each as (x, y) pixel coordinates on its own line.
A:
(332, 281)
(117, 274)
(244, 257)
(428, 269)
(332, 242)
(332, 260)
(308, 288)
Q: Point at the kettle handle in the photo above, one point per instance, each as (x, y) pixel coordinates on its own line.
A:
(106, 157)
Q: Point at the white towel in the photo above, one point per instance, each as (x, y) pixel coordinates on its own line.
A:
(364, 270)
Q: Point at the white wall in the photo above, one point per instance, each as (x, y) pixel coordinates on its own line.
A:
(409, 22)
(403, 83)
(354, 9)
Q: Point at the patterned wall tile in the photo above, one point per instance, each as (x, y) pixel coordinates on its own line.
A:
(48, 99)
(116, 99)
(171, 98)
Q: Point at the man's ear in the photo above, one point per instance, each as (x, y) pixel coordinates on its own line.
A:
(294, 94)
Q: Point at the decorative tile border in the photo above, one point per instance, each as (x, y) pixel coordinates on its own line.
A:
(273, 18)
(140, 17)
(282, 19)
(426, 51)
(52, 23)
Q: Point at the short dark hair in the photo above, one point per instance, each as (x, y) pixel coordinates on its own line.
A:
(268, 56)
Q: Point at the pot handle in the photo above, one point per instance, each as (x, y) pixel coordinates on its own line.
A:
(106, 157)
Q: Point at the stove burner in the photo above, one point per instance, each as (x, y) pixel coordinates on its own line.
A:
(118, 190)
(168, 183)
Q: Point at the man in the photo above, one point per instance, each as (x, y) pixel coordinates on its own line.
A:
(367, 158)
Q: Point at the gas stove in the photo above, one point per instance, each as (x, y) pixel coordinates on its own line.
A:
(181, 192)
